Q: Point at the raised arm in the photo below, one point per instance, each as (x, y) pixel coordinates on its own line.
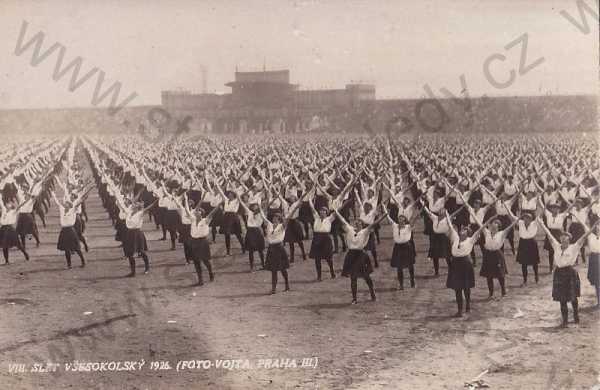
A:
(453, 233)
(344, 222)
(549, 234)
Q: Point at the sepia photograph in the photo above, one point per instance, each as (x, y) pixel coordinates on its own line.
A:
(300, 194)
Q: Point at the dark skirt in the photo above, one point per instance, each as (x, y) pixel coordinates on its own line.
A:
(371, 243)
(199, 248)
(217, 217)
(428, 225)
(393, 211)
(357, 264)
(254, 240)
(79, 225)
(230, 224)
(277, 258)
(403, 255)
(321, 247)
(121, 228)
(293, 231)
(135, 242)
(566, 285)
(305, 213)
(337, 227)
(528, 252)
(159, 215)
(172, 220)
(460, 273)
(593, 273)
(26, 224)
(440, 246)
(184, 232)
(68, 239)
(8, 237)
(493, 264)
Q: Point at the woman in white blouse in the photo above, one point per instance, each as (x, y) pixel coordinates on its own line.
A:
(68, 240)
(528, 253)
(321, 247)
(135, 240)
(198, 240)
(566, 286)
(277, 258)
(461, 277)
(403, 253)
(8, 234)
(231, 221)
(357, 263)
(439, 241)
(254, 241)
(593, 273)
(580, 216)
(493, 265)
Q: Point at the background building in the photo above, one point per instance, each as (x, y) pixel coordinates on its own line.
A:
(266, 101)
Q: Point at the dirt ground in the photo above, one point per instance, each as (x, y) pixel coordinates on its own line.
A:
(405, 340)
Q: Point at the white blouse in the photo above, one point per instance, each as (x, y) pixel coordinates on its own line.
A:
(275, 234)
(566, 257)
(135, 220)
(593, 242)
(493, 242)
(401, 234)
(356, 240)
(231, 206)
(9, 217)
(527, 232)
(323, 225)
(254, 220)
(200, 229)
(557, 222)
(66, 219)
(462, 248)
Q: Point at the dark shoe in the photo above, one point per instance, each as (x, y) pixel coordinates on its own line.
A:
(354, 302)
(457, 315)
(212, 278)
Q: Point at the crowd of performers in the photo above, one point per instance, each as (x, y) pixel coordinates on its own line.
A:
(491, 196)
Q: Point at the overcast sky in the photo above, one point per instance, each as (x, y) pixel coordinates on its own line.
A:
(398, 45)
